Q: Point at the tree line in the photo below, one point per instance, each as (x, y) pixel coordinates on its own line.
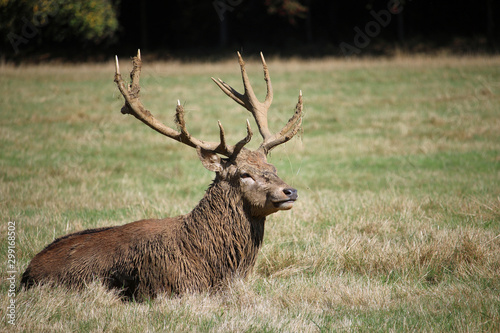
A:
(307, 27)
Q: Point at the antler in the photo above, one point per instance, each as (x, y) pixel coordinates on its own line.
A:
(134, 106)
(259, 109)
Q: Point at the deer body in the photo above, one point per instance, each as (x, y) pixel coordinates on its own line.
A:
(200, 251)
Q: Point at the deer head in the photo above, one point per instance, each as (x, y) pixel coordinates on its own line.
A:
(261, 188)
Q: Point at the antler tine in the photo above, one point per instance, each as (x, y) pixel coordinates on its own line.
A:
(267, 78)
(244, 141)
(117, 66)
(134, 106)
(288, 131)
(228, 90)
(135, 73)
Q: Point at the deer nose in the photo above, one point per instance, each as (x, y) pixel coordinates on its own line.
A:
(291, 193)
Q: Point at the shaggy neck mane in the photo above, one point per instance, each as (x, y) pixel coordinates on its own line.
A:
(221, 224)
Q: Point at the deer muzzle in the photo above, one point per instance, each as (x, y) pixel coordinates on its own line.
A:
(290, 195)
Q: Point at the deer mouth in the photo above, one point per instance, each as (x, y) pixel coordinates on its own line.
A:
(288, 201)
(285, 204)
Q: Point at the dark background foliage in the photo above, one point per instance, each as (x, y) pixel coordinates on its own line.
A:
(77, 30)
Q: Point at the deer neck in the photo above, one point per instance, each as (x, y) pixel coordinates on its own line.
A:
(223, 224)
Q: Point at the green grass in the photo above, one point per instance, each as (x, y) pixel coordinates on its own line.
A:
(398, 169)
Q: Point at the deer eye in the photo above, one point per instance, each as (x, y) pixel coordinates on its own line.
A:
(245, 175)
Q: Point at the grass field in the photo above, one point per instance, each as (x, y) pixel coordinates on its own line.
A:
(397, 227)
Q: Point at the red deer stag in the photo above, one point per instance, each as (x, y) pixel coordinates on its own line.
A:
(202, 250)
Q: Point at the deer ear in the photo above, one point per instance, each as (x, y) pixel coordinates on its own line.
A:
(210, 160)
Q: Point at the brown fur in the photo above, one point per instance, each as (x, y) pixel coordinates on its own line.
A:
(200, 251)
